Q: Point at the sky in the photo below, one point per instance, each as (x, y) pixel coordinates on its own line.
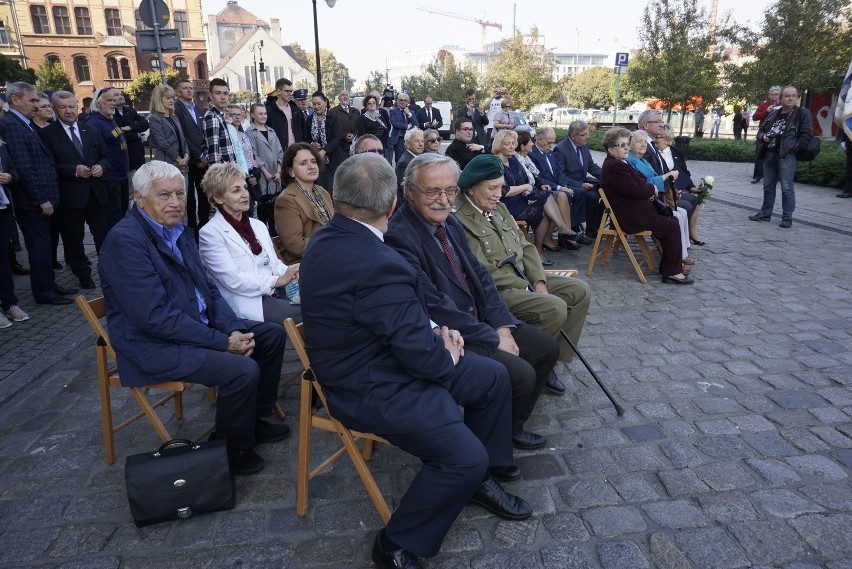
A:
(361, 33)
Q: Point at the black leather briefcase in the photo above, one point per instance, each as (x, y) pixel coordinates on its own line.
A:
(181, 479)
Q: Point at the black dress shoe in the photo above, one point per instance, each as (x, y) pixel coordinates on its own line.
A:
(528, 441)
(571, 246)
(554, 385)
(491, 496)
(697, 242)
(65, 291)
(19, 269)
(266, 432)
(845, 195)
(547, 247)
(396, 559)
(684, 281)
(505, 473)
(87, 283)
(760, 217)
(245, 461)
(55, 300)
(583, 240)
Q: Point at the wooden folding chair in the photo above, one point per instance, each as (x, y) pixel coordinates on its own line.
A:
(108, 378)
(524, 230)
(615, 238)
(311, 418)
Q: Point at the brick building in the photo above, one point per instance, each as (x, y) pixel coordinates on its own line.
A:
(94, 41)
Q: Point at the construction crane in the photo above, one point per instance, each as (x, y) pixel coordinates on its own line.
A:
(483, 23)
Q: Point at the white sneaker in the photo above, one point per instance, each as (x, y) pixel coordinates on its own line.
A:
(4, 322)
(15, 313)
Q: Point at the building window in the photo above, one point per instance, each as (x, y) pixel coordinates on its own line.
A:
(61, 20)
(124, 64)
(81, 69)
(84, 22)
(38, 14)
(180, 65)
(155, 64)
(200, 69)
(54, 60)
(113, 21)
(112, 68)
(140, 25)
(4, 34)
(182, 24)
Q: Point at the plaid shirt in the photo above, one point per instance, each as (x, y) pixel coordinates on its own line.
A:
(220, 147)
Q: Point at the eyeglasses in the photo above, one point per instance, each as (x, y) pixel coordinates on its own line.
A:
(468, 129)
(432, 140)
(376, 151)
(622, 145)
(434, 194)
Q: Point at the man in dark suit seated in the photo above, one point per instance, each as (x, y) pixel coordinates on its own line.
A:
(460, 292)
(168, 321)
(429, 116)
(81, 158)
(463, 149)
(414, 145)
(575, 161)
(387, 369)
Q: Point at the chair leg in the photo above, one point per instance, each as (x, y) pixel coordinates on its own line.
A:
(632, 258)
(610, 246)
(303, 465)
(179, 405)
(646, 253)
(279, 412)
(151, 413)
(106, 423)
(364, 472)
(211, 395)
(594, 256)
(369, 447)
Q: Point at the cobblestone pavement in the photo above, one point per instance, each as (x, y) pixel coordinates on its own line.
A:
(735, 450)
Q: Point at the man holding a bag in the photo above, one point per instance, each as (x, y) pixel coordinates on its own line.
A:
(784, 132)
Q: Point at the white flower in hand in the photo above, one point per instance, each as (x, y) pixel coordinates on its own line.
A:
(709, 180)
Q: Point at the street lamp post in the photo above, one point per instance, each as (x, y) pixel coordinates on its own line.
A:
(331, 4)
(259, 46)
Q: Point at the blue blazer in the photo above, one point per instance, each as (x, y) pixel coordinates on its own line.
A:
(576, 173)
(400, 124)
(36, 182)
(152, 310)
(545, 176)
(448, 303)
(368, 334)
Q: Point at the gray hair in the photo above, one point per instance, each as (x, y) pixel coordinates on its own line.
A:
(499, 137)
(356, 144)
(775, 88)
(151, 172)
(62, 95)
(93, 107)
(409, 134)
(577, 127)
(426, 160)
(366, 185)
(17, 89)
(640, 132)
(545, 130)
(645, 116)
(612, 135)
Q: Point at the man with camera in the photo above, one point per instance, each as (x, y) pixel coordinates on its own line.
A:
(760, 113)
(784, 131)
(471, 111)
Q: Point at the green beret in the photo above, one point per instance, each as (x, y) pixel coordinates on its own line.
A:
(483, 167)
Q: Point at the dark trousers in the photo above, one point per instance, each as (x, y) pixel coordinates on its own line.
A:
(688, 202)
(667, 230)
(594, 210)
(36, 229)
(197, 206)
(7, 284)
(758, 164)
(528, 371)
(847, 186)
(579, 205)
(246, 387)
(117, 201)
(72, 222)
(455, 456)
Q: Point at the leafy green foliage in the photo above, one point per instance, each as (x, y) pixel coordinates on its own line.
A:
(593, 88)
(52, 78)
(241, 96)
(525, 70)
(300, 55)
(375, 82)
(142, 85)
(801, 42)
(11, 71)
(335, 75)
(443, 79)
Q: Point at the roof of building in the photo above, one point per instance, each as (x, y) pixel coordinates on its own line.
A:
(233, 14)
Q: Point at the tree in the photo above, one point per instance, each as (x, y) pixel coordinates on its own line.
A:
(677, 61)
(335, 75)
(140, 88)
(242, 96)
(11, 71)
(300, 55)
(51, 78)
(443, 79)
(801, 42)
(525, 69)
(591, 89)
(375, 82)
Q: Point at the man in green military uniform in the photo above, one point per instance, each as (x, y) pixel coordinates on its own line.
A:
(558, 303)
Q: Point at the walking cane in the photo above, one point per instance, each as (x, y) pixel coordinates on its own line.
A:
(511, 260)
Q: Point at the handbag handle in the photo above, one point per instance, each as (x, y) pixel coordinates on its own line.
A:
(173, 443)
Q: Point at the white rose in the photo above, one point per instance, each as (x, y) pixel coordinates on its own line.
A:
(709, 180)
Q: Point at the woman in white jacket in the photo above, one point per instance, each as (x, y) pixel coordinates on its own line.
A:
(238, 254)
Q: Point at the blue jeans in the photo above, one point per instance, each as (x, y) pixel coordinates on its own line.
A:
(774, 168)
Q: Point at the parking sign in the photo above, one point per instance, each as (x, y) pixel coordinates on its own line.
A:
(621, 59)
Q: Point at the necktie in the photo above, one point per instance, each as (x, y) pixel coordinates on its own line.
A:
(549, 165)
(580, 155)
(34, 128)
(429, 113)
(441, 235)
(78, 144)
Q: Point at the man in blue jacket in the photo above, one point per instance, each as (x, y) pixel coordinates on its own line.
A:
(168, 321)
(115, 176)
